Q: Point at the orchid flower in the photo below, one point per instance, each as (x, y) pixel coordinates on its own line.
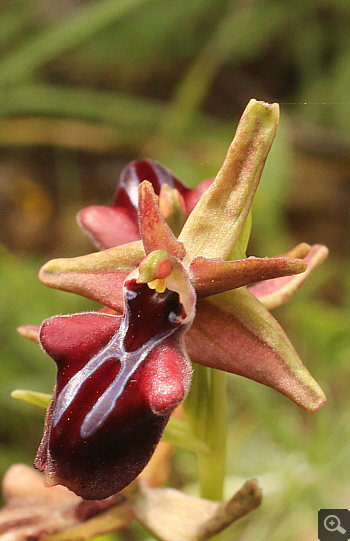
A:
(172, 276)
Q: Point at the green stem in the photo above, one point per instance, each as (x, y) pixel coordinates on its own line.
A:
(212, 466)
(206, 412)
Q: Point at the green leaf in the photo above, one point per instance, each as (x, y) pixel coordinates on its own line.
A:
(66, 35)
(38, 399)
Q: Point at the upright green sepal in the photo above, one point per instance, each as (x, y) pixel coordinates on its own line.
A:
(215, 224)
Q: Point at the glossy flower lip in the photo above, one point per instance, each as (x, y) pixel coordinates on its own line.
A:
(131, 344)
(121, 375)
(118, 381)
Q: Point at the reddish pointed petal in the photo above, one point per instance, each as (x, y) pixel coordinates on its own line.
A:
(115, 225)
(118, 381)
(98, 276)
(109, 226)
(273, 293)
(155, 232)
(235, 333)
(212, 276)
(158, 175)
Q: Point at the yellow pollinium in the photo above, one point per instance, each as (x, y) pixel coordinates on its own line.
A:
(159, 285)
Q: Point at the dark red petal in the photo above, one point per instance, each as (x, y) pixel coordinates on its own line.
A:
(118, 224)
(136, 172)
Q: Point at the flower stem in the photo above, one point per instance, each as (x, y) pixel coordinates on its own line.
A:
(205, 409)
(212, 466)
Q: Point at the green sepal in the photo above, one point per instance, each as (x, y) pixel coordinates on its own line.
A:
(215, 224)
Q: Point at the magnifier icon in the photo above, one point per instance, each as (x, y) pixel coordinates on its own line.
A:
(332, 524)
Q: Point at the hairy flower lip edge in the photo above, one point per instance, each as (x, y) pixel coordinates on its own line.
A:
(54, 474)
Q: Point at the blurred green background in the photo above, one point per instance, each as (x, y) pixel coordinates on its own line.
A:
(87, 86)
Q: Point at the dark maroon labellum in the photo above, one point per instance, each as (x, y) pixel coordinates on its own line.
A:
(112, 403)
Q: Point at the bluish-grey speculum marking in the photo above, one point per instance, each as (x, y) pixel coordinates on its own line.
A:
(129, 361)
